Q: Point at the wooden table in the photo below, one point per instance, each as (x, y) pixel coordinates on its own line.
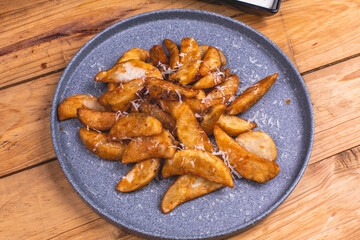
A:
(38, 39)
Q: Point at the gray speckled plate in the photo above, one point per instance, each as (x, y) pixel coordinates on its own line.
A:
(217, 215)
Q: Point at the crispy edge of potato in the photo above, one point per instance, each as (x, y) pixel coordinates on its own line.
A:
(189, 131)
(211, 117)
(113, 86)
(134, 125)
(258, 143)
(158, 56)
(68, 107)
(186, 73)
(211, 62)
(173, 52)
(210, 80)
(226, 90)
(251, 95)
(134, 54)
(234, 125)
(97, 143)
(248, 165)
(97, 120)
(203, 49)
(189, 51)
(139, 176)
(127, 71)
(200, 163)
(201, 106)
(167, 90)
(158, 146)
(186, 188)
(120, 98)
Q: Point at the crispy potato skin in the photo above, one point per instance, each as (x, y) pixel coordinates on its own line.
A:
(258, 143)
(210, 118)
(251, 95)
(210, 80)
(134, 125)
(68, 107)
(186, 73)
(158, 146)
(120, 98)
(134, 54)
(97, 120)
(204, 48)
(225, 90)
(127, 71)
(211, 62)
(234, 125)
(158, 56)
(248, 165)
(139, 176)
(186, 188)
(98, 144)
(189, 130)
(201, 106)
(162, 89)
(174, 53)
(200, 163)
(189, 50)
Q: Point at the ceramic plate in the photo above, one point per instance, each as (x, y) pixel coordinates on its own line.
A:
(220, 214)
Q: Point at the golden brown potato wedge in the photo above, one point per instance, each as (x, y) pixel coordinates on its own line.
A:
(139, 176)
(248, 165)
(258, 143)
(120, 98)
(234, 125)
(186, 188)
(211, 117)
(166, 120)
(189, 131)
(158, 146)
(186, 72)
(201, 95)
(200, 163)
(225, 90)
(68, 107)
(210, 80)
(134, 54)
(211, 62)
(127, 71)
(98, 144)
(113, 86)
(168, 106)
(201, 106)
(162, 89)
(174, 53)
(158, 56)
(251, 95)
(134, 125)
(189, 51)
(203, 49)
(97, 120)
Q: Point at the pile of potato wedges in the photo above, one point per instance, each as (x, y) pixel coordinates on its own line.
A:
(158, 113)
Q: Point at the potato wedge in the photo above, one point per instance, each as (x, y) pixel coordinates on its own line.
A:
(113, 86)
(174, 53)
(68, 107)
(166, 90)
(200, 163)
(201, 106)
(186, 73)
(166, 120)
(225, 90)
(158, 146)
(127, 71)
(201, 95)
(211, 62)
(210, 80)
(211, 117)
(158, 56)
(258, 143)
(134, 54)
(234, 125)
(189, 51)
(248, 165)
(97, 120)
(168, 106)
(139, 176)
(120, 98)
(251, 95)
(98, 144)
(203, 49)
(189, 131)
(186, 188)
(134, 125)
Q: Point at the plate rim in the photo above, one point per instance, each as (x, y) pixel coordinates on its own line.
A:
(215, 235)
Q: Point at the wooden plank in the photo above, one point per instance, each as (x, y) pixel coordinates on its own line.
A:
(325, 204)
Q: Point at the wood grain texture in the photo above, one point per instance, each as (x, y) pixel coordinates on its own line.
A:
(325, 204)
